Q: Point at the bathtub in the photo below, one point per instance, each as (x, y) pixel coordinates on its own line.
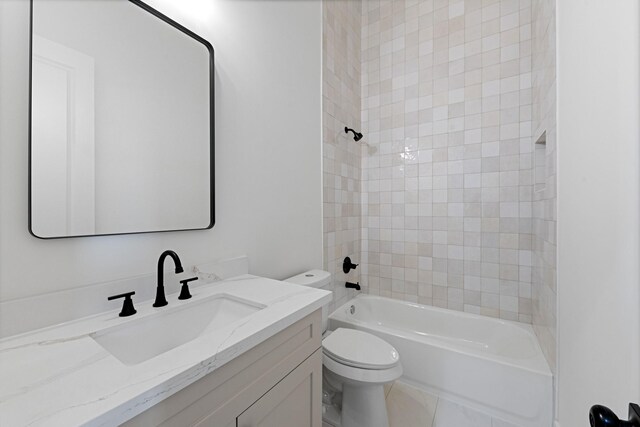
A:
(491, 365)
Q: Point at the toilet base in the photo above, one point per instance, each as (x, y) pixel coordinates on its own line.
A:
(363, 406)
(371, 413)
(330, 415)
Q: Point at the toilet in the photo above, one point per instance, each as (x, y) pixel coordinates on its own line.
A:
(356, 366)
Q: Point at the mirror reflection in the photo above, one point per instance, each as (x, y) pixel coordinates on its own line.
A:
(121, 121)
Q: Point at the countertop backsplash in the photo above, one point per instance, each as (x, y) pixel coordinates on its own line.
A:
(68, 305)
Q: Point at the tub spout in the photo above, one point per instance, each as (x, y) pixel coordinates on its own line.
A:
(350, 285)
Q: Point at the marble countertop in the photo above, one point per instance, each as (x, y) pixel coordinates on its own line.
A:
(60, 376)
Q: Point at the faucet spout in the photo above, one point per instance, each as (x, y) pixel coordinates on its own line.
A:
(161, 300)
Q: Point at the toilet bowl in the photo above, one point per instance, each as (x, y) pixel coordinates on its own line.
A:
(356, 366)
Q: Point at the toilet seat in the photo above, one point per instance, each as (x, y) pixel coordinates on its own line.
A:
(360, 350)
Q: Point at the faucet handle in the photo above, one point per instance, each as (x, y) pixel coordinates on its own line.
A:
(184, 292)
(347, 265)
(127, 306)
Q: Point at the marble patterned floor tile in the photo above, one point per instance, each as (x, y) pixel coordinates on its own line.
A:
(449, 414)
(410, 407)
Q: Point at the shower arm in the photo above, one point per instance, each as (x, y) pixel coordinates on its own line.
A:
(357, 136)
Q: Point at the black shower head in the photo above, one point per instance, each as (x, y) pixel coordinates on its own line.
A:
(357, 136)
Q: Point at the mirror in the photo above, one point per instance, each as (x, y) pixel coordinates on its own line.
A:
(121, 121)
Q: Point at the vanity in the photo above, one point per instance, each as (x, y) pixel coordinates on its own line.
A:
(251, 357)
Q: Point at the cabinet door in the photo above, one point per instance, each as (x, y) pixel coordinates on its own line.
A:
(296, 401)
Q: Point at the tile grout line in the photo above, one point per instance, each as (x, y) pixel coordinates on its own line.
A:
(389, 392)
(435, 411)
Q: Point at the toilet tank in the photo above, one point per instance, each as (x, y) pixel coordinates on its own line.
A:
(316, 279)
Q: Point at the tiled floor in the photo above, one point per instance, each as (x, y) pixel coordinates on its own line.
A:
(411, 407)
(408, 406)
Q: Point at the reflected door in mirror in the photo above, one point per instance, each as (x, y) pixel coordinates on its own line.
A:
(121, 121)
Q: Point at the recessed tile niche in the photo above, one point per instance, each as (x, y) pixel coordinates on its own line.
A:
(540, 162)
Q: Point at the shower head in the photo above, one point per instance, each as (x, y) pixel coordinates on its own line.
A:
(357, 136)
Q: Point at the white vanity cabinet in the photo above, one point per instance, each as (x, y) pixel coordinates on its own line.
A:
(293, 402)
(276, 383)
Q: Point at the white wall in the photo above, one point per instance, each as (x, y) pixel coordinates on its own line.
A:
(268, 153)
(598, 198)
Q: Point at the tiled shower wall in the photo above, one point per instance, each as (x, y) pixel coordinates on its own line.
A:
(544, 197)
(341, 154)
(447, 176)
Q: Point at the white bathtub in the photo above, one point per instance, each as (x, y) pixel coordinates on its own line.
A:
(488, 364)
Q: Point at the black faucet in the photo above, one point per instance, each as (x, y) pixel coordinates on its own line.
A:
(161, 300)
(350, 285)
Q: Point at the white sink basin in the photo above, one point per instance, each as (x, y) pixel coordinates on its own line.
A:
(143, 339)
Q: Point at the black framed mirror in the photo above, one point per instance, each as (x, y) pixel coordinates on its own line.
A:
(121, 121)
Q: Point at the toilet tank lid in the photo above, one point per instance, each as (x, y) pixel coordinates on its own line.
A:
(313, 278)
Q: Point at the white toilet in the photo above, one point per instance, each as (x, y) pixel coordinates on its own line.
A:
(357, 364)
